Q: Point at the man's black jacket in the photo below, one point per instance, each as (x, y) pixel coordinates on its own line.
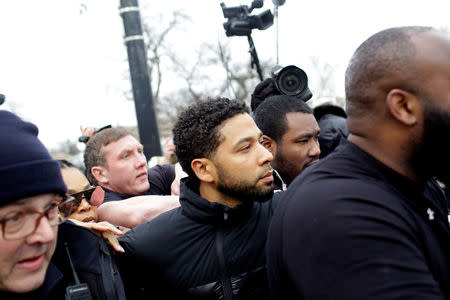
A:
(199, 250)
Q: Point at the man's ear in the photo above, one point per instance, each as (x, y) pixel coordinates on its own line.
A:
(204, 169)
(403, 106)
(99, 174)
(269, 144)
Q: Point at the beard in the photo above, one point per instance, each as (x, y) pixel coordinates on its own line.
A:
(287, 169)
(433, 158)
(244, 190)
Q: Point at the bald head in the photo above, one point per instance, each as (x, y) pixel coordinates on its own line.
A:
(385, 61)
(397, 91)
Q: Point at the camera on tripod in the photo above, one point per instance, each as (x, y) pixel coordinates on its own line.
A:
(291, 81)
(241, 23)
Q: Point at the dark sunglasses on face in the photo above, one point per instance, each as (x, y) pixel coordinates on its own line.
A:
(94, 196)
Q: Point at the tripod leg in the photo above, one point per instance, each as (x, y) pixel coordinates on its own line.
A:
(254, 56)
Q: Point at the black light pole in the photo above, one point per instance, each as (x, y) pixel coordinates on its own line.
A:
(140, 79)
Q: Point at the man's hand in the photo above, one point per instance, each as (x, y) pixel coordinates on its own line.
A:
(169, 151)
(88, 131)
(175, 186)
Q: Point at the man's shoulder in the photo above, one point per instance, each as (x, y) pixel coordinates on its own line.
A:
(113, 196)
(160, 178)
(162, 169)
(342, 181)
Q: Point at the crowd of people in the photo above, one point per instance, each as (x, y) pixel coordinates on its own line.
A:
(278, 200)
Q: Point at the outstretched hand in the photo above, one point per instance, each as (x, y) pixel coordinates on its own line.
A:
(88, 131)
(111, 239)
(169, 151)
(175, 186)
(105, 230)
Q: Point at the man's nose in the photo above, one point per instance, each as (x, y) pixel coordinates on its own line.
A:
(43, 233)
(265, 155)
(141, 159)
(315, 149)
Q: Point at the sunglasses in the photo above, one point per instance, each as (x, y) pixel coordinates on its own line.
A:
(94, 196)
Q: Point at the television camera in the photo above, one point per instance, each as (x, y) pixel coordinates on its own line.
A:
(241, 23)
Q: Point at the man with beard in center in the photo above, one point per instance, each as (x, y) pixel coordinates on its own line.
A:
(379, 230)
(213, 246)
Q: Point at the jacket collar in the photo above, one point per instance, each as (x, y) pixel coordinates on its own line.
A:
(200, 209)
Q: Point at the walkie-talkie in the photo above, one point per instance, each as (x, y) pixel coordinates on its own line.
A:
(78, 291)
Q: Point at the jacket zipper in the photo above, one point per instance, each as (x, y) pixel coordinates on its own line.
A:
(226, 281)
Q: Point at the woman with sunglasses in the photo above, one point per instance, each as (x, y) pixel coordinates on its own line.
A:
(82, 210)
(86, 238)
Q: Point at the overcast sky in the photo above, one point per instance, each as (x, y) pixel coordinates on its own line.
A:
(60, 68)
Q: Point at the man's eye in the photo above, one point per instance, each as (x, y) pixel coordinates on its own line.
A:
(52, 205)
(14, 218)
(245, 148)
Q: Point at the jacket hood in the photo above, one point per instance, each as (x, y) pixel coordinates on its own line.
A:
(325, 109)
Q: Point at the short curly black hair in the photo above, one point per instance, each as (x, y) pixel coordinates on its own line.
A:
(196, 132)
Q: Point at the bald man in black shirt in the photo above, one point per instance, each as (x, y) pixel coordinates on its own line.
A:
(370, 221)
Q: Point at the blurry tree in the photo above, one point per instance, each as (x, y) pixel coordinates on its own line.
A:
(322, 83)
(68, 147)
(69, 150)
(178, 81)
(157, 48)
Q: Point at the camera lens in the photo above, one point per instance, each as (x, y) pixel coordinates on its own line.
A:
(292, 80)
(290, 83)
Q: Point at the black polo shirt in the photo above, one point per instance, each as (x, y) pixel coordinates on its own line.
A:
(351, 228)
(160, 178)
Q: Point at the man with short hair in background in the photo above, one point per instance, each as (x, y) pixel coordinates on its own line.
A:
(290, 133)
(115, 160)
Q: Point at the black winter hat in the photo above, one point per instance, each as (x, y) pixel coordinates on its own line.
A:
(26, 167)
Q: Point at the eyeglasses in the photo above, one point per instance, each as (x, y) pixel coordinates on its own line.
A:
(19, 224)
(94, 196)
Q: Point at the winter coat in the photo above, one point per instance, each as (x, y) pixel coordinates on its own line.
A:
(200, 250)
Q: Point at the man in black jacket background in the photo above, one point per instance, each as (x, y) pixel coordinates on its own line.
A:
(332, 121)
